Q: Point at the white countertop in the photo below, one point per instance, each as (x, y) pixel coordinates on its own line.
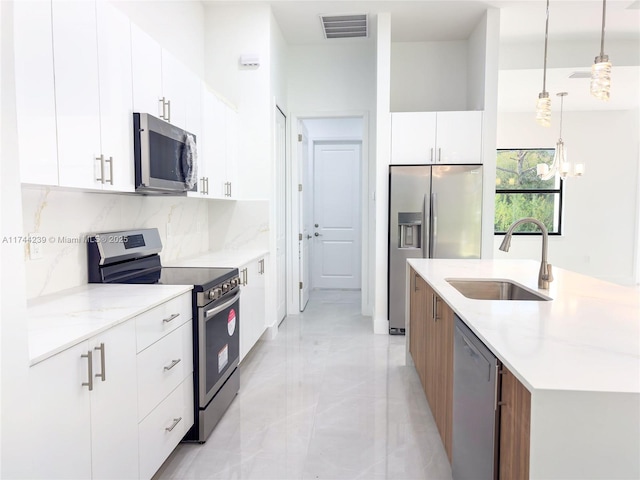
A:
(64, 319)
(220, 258)
(587, 338)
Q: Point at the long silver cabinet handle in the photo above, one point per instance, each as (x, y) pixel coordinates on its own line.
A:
(439, 155)
(170, 318)
(169, 111)
(161, 108)
(110, 162)
(101, 160)
(173, 364)
(89, 357)
(431, 159)
(176, 421)
(102, 374)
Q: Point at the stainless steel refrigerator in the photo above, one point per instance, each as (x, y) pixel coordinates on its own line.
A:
(434, 212)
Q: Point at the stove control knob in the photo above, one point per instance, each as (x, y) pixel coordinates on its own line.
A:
(234, 283)
(225, 287)
(214, 293)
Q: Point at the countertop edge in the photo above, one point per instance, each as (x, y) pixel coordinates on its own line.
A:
(40, 357)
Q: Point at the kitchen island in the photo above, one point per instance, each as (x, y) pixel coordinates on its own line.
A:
(578, 355)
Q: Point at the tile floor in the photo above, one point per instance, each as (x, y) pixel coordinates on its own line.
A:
(326, 399)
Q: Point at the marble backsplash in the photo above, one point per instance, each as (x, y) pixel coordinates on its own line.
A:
(188, 227)
(65, 218)
(235, 225)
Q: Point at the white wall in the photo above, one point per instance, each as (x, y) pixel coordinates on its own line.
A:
(176, 25)
(477, 53)
(15, 453)
(429, 76)
(332, 78)
(334, 128)
(381, 175)
(600, 208)
(279, 63)
(489, 124)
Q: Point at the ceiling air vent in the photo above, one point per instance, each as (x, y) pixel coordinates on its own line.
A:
(344, 26)
(580, 75)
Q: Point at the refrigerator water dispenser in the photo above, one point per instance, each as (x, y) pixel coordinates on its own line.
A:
(410, 229)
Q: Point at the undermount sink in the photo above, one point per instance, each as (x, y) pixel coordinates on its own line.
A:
(494, 289)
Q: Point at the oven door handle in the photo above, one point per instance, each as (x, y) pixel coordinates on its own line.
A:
(219, 308)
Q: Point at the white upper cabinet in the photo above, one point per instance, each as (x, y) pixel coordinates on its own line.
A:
(92, 53)
(75, 52)
(162, 85)
(459, 137)
(436, 137)
(232, 137)
(413, 137)
(146, 61)
(218, 142)
(116, 98)
(35, 95)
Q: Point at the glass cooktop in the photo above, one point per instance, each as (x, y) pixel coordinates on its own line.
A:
(202, 278)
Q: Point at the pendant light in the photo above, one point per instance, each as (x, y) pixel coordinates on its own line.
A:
(543, 106)
(560, 164)
(601, 68)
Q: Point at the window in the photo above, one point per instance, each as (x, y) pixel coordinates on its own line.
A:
(521, 193)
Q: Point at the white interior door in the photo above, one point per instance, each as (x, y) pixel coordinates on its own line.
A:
(281, 216)
(306, 215)
(336, 213)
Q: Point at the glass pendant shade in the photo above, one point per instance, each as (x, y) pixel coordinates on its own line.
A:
(601, 68)
(560, 164)
(543, 110)
(601, 78)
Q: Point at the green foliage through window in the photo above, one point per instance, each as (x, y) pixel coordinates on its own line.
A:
(521, 193)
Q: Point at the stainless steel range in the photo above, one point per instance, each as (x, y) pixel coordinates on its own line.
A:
(133, 257)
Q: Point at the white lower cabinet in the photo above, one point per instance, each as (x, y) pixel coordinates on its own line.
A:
(252, 304)
(162, 367)
(165, 381)
(113, 404)
(116, 405)
(77, 409)
(61, 416)
(164, 427)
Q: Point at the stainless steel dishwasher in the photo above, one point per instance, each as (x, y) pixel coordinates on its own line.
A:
(475, 414)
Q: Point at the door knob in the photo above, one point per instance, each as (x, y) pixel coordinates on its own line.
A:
(317, 225)
(317, 234)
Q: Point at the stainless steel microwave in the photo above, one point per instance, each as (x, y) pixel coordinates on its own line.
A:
(165, 157)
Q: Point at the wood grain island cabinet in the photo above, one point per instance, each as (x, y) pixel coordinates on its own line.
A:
(431, 326)
(431, 319)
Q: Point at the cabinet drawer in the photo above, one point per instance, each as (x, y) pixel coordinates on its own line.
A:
(154, 324)
(156, 437)
(163, 366)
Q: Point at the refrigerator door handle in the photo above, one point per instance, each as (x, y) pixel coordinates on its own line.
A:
(426, 241)
(433, 231)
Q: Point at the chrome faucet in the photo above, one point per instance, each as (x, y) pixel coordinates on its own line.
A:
(544, 276)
